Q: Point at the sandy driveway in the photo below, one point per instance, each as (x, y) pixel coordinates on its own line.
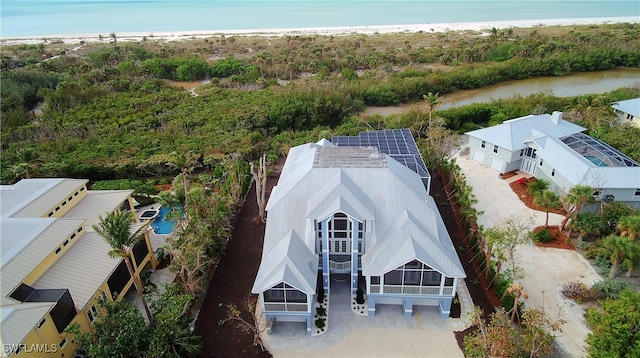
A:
(546, 269)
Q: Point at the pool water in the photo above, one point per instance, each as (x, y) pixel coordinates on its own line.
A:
(596, 161)
(160, 225)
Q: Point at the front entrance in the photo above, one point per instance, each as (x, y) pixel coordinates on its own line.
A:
(529, 166)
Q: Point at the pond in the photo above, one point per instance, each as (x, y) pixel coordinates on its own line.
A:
(565, 86)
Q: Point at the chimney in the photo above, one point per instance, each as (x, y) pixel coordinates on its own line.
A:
(556, 117)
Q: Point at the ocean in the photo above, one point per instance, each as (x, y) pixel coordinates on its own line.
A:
(42, 18)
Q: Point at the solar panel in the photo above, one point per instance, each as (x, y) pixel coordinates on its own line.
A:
(397, 143)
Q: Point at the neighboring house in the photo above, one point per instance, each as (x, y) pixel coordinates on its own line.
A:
(358, 213)
(54, 266)
(551, 148)
(628, 111)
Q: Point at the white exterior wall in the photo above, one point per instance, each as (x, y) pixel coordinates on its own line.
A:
(489, 160)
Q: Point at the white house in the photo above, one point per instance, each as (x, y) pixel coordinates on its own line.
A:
(628, 111)
(351, 210)
(551, 148)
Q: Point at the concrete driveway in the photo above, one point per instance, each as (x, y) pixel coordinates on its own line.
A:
(546, 269)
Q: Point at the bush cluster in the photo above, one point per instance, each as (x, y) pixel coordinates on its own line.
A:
(579, 292)
(543, 235)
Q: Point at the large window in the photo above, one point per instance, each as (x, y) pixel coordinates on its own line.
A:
(414, 273)
(340, 230)
(531, 153)
(284, 293)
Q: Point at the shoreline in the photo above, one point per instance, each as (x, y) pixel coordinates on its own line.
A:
(168, 36)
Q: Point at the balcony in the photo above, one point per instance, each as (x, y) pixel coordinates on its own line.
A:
(411, 290)
(285, 307)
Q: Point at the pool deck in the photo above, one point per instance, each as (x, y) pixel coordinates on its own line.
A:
(157, 240)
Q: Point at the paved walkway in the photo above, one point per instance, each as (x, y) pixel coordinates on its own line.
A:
(546, 269)
(387, 334)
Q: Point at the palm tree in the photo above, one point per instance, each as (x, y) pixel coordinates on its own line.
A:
(629, 226)
(116, 229)
(27, 160)
(538, 187)
(576, 198)
(548, 201)
(620, 251)
(432, 102)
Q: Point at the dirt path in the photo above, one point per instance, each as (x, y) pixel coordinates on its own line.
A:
(231, 283)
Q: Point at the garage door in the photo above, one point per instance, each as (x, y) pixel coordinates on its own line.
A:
(478, 156)
(497, 164)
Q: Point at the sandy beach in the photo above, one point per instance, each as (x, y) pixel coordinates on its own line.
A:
(322, 31)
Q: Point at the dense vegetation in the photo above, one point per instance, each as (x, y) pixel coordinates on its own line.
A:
(104, 111)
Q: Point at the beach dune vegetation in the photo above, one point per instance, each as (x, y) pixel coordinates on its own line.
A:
(105, 111)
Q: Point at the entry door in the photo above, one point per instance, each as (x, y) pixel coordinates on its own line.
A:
(529, 166)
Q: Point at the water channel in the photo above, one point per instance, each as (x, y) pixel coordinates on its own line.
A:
(570, 85)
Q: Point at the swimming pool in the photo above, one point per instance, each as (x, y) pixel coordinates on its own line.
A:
(596, 161)
(160, 225)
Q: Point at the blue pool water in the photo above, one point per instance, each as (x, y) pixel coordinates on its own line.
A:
(596, 161)
(160, 225)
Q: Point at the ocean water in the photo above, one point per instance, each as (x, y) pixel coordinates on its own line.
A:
(41, 18)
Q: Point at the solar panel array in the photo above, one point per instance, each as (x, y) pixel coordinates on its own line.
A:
(397, 143)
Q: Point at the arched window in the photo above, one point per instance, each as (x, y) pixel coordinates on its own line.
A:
(339, 230)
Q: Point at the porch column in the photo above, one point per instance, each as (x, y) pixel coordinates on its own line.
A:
(354, 255)
(442, 277)
(325, 255)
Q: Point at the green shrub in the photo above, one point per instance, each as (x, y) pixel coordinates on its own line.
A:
(359, 296)
(543, 235)
(320, 323)
(610, 288)
(321, 311)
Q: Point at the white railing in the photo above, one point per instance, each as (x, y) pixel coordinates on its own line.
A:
(411, 290)
(286, 307)
(340, 266)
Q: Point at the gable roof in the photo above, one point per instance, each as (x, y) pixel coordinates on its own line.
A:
(291, 262)
(405, 240)
(344, 195)
(20, 319)
(33, 240)
(630, 106)
(34, 198)
(511, 134)
(82, 269)
(375, 188)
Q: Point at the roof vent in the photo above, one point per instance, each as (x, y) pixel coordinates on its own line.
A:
(556, 117)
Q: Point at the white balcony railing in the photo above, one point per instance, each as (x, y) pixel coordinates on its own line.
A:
(286, 307)
(411, 290)
(340, 266)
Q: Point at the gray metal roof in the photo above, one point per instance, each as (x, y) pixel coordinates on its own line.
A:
(631, 106)
(96, 203)
(340, 194)
(290, 261)
(511, 134)
(380, 192)
(406, 239)
(19, 320)
(32, 198)
(82, 269)
(33, 240)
